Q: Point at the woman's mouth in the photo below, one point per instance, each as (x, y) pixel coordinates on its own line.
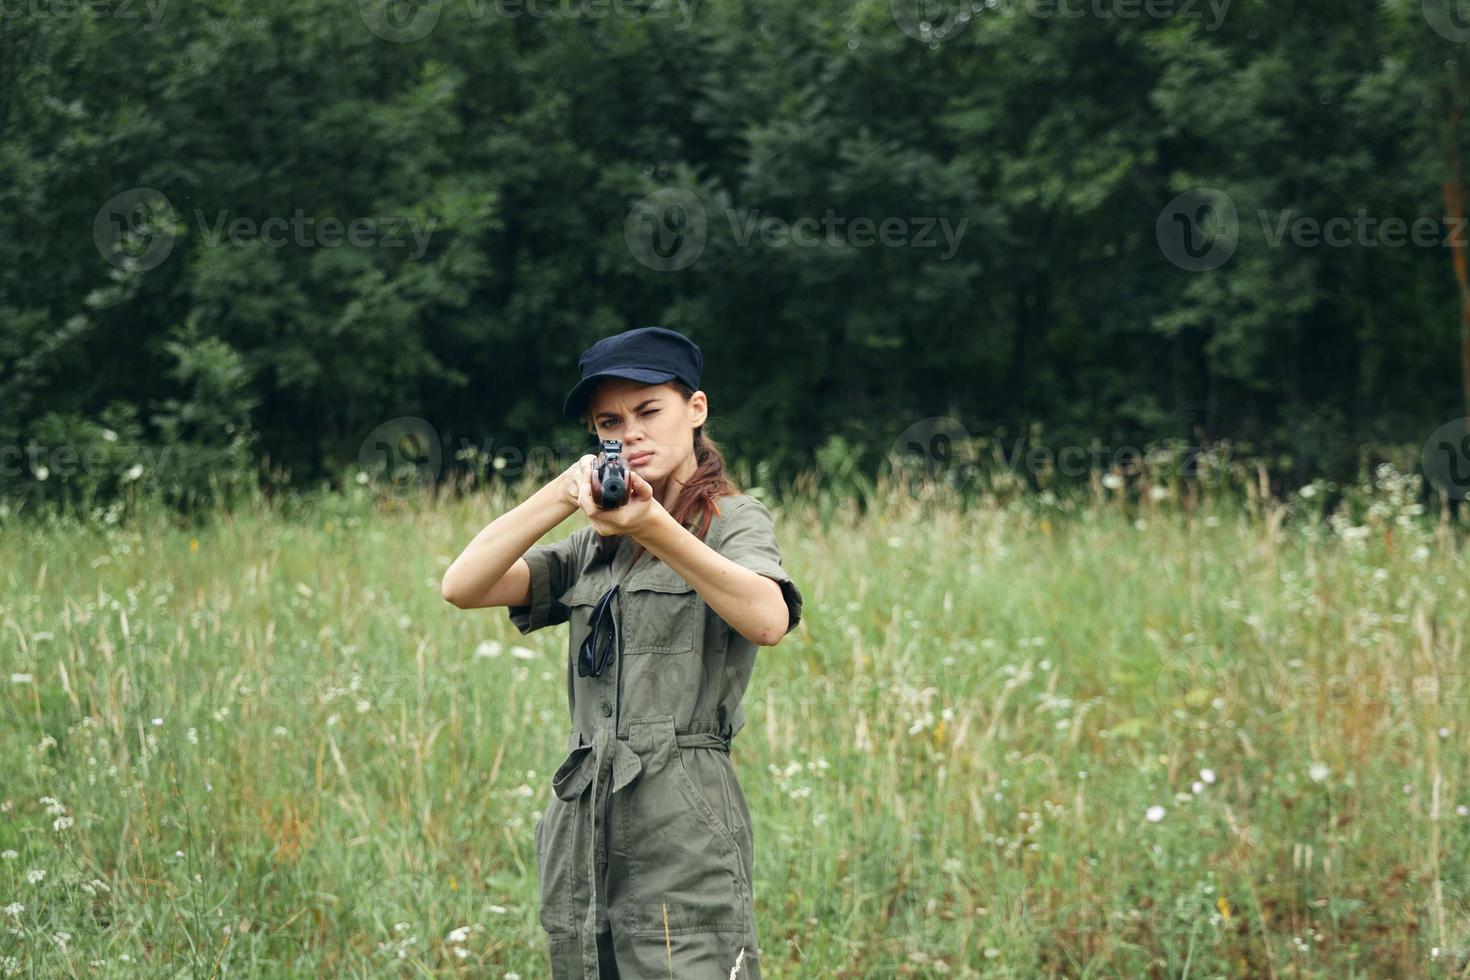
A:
(638, 459)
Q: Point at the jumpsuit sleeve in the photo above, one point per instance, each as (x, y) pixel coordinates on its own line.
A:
(554, 569)
(750, 541)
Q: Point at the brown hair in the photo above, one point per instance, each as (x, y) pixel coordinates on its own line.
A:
(708, 482)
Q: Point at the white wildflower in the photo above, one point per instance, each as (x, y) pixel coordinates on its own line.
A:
(1155, 813)
(35, 876)
(1319, 772)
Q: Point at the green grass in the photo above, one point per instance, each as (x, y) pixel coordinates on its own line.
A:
(282, 753)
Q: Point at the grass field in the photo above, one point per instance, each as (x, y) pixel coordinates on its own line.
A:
(1100, 737)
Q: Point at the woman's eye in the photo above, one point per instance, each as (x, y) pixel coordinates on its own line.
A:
(650, 412)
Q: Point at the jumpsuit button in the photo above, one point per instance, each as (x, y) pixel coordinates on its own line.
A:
(606, 710)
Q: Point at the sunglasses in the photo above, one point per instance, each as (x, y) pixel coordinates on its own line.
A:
(602, 638)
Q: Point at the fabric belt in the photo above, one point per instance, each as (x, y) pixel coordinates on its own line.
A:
(609, 765)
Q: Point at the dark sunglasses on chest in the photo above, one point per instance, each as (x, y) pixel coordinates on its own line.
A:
(602, 637)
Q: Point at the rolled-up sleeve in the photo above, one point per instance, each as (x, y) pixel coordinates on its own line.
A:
(750, 541)
(554, 569)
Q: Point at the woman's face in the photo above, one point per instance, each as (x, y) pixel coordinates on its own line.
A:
(654, 422)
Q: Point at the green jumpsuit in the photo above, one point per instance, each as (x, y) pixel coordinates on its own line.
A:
(645, 851)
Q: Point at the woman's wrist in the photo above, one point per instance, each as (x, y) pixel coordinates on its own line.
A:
(552, 499)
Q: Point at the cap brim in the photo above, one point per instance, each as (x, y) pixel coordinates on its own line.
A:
(576, 402)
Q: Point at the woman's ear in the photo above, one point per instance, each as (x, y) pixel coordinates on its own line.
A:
(698, 408)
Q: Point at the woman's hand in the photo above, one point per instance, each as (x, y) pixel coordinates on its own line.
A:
(575, 477)
(633, 518)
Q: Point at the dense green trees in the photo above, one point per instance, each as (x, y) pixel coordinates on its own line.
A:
(867, 214)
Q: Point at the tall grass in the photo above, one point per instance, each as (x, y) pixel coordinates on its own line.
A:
(1106, 735)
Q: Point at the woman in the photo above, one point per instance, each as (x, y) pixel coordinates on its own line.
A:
(645, 852)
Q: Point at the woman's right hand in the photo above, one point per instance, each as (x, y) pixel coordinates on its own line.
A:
(575, 479)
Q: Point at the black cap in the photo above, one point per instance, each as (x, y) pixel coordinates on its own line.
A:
(651, 355)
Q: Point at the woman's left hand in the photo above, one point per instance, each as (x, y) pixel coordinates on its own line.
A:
(633, 518)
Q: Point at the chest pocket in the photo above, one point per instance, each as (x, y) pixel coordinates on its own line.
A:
(661, 613)
(580, 600)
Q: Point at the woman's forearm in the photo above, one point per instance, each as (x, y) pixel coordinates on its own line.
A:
(750, 602)
(487, 558)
